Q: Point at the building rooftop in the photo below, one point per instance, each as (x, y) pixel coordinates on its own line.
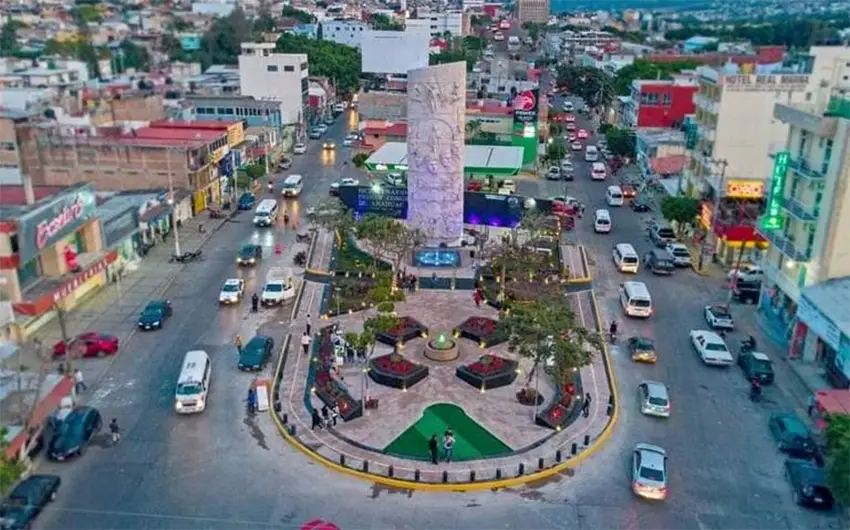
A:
(13, 202)
(165, 133)
(832, 298)
(658, 136)
(13, 114)
(394, 129)
(218, 125)
(242, 101)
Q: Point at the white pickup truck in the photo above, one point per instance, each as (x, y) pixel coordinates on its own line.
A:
(279, 287)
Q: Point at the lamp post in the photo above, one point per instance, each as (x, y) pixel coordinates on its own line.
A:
(170, 201)
(714, 211)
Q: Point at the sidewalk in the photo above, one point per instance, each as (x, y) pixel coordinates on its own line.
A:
(115, 307)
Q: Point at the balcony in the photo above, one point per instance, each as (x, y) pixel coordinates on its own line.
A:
(706, 104)
(707, 133)
(784, 245)
(839, 107)
(806, 117)
(803, 212)
(800, 166)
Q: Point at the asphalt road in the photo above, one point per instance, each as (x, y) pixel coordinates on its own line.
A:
(223, 470)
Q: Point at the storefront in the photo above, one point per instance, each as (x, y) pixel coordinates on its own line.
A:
(121, 233)
(734, 235)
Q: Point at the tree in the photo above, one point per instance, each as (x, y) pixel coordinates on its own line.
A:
(337, 62)
(135, 56)
(645, 69)
(838, 456)
(480, 21)
(621, 142)
(86, 14)
(534, 29)
(10, 470)
(368, 339)
(221, 43)
(454, 56)
(359, 160)
(9, 38)
(381, 233)
(591, 84)
(401, 242)
(302, 17)
(333, 217)
(382, 22)
(556, 150)
(681, 210)
(545, 330)
(473, 43)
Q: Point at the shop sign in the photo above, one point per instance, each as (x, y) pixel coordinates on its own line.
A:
(120, 226)
(766, 83)
(72, 285)
(526, 106)
(705, 216)
(48, 224)
(745, 189)
(819, 323)
(772, 219)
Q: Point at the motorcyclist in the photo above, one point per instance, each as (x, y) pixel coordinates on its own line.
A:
(255, 302)
(285, 217)
(755, 388)
(612, 330)
(115, 431)
(749, 344)
(271, 186)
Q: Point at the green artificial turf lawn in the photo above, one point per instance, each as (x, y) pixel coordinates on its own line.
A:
(472, 441)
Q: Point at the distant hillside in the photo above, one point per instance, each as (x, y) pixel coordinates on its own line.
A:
(561, 6)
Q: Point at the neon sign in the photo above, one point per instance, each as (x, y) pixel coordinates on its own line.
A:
(772, 219)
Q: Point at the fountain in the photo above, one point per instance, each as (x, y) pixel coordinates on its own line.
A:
(436, 257)
(442, 348)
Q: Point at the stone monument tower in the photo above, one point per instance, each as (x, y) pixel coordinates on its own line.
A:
(436, 115)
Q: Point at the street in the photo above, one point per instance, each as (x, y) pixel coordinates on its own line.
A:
(223, 469)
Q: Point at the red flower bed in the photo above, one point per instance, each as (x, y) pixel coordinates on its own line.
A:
(557, 414)
(394, 364)
(483, 327)
(487, 365)
(404, 325)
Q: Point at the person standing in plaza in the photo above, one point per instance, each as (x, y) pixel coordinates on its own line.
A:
(305, 342)
(448, 444)
(585, 406)
(79, 383)
(432, 448)
(309, 324)
(316, 420)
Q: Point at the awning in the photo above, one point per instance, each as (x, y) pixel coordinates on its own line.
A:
(318, 524)
(668, 165)
(155, 214)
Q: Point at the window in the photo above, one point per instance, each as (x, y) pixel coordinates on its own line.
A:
(289, 68)
(666, 100)
(229, 111)
(827, 156)
(303, 66)
(271, 68)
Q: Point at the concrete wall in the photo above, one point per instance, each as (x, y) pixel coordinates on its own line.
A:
(436, 134)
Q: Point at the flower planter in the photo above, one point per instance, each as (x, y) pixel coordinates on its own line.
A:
(404, 331)
(395, 371)
(332, 393)
(482, 330)
(490, 371)
(565, 410)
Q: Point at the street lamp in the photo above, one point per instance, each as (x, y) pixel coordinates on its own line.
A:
(170, 202)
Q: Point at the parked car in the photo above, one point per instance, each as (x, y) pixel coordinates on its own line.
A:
(256, 353)
(681, 255)
(285, 163)
(641, 205)
(792, 436)
(718, 317)
(747, 273)
(90, 344)
(649, 471)
(554, 173)
(809, 484)
(746, 292)
(711, 348)
(576, 146)
(74, 433)
(344, 182)
(315, 133)
(246, 201)
(23, 504)
(756, 364)
(349, 140)
(300, 148)
(154, 314)
(662, 236)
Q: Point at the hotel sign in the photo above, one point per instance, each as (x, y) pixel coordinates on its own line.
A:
(771, 220)
(766, 83)
(745, 189)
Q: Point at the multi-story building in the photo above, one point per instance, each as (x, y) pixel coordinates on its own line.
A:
(10, 158)
(473, 5)
(265, 74)
(533, 11)
(806, 221)
(661, 103)
(455, 23)
(348, 32)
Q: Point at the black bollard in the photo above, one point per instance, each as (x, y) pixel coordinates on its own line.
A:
(611, 400)
(277, 407)
(472, 475)
(558, 455)
(540, 463)
(390, 471)
(285, 418)
(609, 410)
(521, 470)
(292, 430)
(342, 460)
(445, 476)
(574, 448)
(365, 466)
(416, 475)
(586, 440)
(498, 474)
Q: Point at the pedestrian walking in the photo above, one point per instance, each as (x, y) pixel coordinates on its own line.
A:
(326, 418)
(238, 342)
(476, 297)
(305, 342)
(432, 448)
(334, 415)
(585, 406)
(79, 383)
(252, 400)
(448, 444)
(309, 324)
(316, 419)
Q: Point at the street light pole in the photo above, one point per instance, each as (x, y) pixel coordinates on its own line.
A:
(715, 208)
(171, 203)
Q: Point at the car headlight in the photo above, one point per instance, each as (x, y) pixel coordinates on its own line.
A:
(156, 323)
(178, 405)
(252, 260)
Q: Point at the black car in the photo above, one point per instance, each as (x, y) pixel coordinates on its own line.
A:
(255, 354)
(25, 502)
(74, 433)
(792, 436)
(154, 314)
(756, 364)
(809, 484)
(746, 292)
(641, 205)
(249, 255)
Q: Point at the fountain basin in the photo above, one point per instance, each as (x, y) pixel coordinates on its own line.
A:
(436, 257)
(441, 349)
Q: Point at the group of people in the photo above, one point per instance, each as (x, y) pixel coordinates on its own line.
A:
(448, 443)
(329, 417)
(406, 281)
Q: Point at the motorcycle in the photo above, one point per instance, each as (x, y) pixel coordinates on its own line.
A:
(300, 259)
(755, 391)
(186, 257)
(303, 237)
(270, 187)
(216, 213)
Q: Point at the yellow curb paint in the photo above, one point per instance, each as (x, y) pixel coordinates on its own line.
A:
(318, 272)
(298, 298)
(457, 486)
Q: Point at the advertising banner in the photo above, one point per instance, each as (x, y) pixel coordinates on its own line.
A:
(526, 106)
(49, 223)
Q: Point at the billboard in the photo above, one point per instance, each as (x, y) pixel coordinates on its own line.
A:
(394, 52)
(49, 223)
(526, 106)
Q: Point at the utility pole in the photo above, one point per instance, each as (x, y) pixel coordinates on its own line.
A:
(66, 341)
(170, 201)
(715, 208)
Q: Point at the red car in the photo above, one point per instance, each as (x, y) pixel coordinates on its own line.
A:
(474, 185)
(582, 134)
(91, 344)
(570, 118)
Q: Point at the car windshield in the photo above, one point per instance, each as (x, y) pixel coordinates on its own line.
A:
(189, 389)
(657, 401)
(720, 311)
(681, 252)
(715, 346)
(261, 214)
(655, 475)
(152, 313)
(230, 288)
(274, 287)
(760, 365)
(664, 263)
(644, 344)
(247, 250)
(641, 303)
(602, 222)
(666, 233)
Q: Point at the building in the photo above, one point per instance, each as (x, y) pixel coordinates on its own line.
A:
(348, 32)
(265, 74)
(698, 44)
(533, 11)
(662, 103)
(410, 50)
(473, 5)
(807, 212)
(454, 23)
(376, 133)
(51, 251)
(10, 158)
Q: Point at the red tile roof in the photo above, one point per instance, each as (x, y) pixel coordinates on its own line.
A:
(192, 124)
(162, 133)
(396, 129)
(12, 195)
(473, 108)
(668, 165)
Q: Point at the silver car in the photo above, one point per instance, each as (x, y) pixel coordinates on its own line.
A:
(654, 399)
(649, 472)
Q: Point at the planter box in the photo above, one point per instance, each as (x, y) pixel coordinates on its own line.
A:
(329, 391)
(407, 330)
(565, 415)
(475, 333)
(393, 380)
(504, 377)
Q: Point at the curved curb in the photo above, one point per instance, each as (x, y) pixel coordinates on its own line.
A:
(455, 486)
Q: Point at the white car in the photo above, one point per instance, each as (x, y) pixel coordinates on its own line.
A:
(344, 182)
(576, 146)
(711, 348)
(300, 148)
(718, 317)
(747, 273)
(681, 256)
(349, 140)
(654, 399)
(322, 127)
(554, 173)
(566, 166)
(649, 472)
(232, 291)
(339, 107)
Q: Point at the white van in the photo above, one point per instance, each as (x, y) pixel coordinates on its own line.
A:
(614, 196)
(591, 154)
(292, 186)
(625, 258)
(635, 299)
(602, 222)
(597, 171)
(193, 385)
(266, 213)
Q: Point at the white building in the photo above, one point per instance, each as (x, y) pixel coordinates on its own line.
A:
(265, 74)
(217, 8)
(437, 24)
(473, 5)
(394, 52)
(348, 32)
